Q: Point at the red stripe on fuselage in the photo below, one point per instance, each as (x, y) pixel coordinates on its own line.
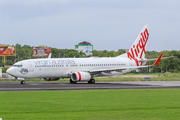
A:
(79, 76)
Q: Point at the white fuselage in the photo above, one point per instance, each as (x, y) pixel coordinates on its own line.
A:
(63, 67)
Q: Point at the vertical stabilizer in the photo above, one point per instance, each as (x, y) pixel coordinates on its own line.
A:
(138, 49)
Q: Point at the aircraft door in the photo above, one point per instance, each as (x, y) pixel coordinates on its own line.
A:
(131, 62)
(31, 67)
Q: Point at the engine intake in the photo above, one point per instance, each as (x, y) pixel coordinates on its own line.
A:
(81, 76)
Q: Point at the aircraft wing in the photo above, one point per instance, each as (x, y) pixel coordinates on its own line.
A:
(154, 59)
(124, 68)
(117, 69)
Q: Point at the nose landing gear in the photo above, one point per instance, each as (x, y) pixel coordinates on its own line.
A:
(22, 82)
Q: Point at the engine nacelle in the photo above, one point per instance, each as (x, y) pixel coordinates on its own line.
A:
(81, 76)
(51, 79)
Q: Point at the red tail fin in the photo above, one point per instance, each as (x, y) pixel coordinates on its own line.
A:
(138, 49)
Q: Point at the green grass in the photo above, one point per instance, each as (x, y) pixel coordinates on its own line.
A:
(161, 104)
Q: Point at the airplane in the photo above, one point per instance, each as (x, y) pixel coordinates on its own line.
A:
(85, 69)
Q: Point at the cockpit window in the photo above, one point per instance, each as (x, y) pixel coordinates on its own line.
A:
(17, 65)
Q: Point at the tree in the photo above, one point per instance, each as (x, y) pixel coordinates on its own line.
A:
(172, 64)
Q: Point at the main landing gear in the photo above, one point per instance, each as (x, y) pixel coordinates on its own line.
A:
(22, 82)
(73, 82)
(92, 81)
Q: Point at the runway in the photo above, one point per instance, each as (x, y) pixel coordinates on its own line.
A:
(29, 86)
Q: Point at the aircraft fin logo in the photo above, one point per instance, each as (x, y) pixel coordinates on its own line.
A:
(138, 49)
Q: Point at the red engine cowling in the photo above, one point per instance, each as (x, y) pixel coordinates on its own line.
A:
(51, 79)
(81, 76)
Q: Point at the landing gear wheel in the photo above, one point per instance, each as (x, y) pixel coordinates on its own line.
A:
(72, 82)
(22, 82)
(92, 81)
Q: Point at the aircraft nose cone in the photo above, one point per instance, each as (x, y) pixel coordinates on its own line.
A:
(10, 71)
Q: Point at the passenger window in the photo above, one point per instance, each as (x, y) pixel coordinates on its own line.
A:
(17, 65)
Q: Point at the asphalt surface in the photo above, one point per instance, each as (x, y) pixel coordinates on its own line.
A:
(29, 86)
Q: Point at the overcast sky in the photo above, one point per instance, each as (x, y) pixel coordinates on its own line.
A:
(107, 24)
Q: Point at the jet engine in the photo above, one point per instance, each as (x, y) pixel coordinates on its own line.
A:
(50, 79)
(80, 76)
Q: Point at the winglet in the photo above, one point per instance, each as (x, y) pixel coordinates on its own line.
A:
(158, 60)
